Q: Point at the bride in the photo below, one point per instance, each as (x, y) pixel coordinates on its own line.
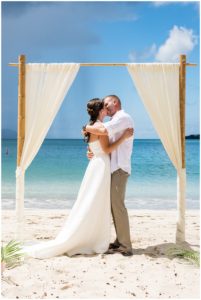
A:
(87, 229)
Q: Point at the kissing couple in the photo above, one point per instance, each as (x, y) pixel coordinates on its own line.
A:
(102, 191)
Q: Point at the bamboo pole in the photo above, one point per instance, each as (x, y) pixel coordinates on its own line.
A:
(103, 65)
(182, 99)
(181, 177)
(21, 107)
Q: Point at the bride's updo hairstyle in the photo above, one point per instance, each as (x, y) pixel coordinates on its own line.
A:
(94, 106)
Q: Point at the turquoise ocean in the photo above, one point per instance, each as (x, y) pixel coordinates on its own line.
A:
(54, 177)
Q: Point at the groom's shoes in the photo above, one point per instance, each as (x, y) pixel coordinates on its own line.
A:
(119, 250)
(113, 246)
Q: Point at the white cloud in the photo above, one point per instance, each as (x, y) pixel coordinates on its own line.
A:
(143, 55)
(180, 41)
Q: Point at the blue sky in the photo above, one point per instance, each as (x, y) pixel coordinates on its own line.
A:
(99, 32)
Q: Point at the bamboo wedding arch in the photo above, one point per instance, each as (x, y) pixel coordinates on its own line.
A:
(22, 102)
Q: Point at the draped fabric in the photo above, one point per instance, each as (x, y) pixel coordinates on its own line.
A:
(158, 87)
(46, 87)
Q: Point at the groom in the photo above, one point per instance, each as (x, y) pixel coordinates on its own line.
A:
(120, 170)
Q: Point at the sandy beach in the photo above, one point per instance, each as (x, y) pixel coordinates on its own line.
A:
(149, 273)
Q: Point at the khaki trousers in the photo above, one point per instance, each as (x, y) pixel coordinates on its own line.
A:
(119, 211)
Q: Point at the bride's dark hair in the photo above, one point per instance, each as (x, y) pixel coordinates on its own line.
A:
(93, 108)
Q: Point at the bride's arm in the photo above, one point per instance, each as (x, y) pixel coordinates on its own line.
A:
(107, 147)
(97, 129)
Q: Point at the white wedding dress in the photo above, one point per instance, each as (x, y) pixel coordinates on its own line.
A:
(87, 229)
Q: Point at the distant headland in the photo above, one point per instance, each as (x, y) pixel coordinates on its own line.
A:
(193, 137)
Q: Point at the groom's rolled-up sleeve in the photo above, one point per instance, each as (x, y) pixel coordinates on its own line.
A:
(116, 125)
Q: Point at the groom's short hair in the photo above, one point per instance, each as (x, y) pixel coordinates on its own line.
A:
(114, 97)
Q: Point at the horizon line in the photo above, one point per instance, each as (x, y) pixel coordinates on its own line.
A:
(83, 139)
(79, 139)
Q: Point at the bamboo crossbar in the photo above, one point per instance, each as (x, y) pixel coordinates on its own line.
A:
(102, 65)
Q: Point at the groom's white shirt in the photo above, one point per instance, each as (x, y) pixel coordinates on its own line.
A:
(121, 157)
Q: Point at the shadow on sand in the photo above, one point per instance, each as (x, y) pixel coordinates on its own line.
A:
(155, 251)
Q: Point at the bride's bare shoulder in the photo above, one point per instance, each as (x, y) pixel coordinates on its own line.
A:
(93, 138)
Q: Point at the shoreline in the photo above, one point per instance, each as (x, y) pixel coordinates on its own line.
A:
(149, 273)
(63, 204)
(129, 209)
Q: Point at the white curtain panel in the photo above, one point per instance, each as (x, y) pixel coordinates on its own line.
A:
(46, 87)
(158, 87)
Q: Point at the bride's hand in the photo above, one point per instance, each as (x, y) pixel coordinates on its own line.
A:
(89, 153)
(128, 133)
(84, 132)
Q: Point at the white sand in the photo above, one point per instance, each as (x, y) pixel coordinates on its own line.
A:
(149, 273)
